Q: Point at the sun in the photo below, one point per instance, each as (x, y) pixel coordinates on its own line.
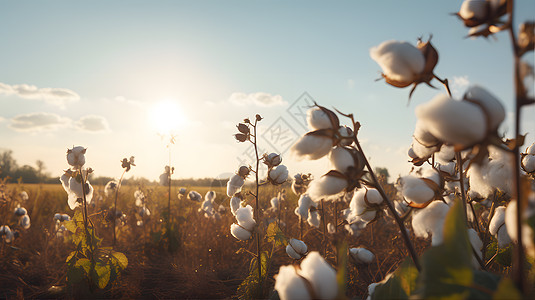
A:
(166, 116)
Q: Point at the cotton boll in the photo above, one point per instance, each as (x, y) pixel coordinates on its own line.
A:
(341, 159)
(289, 285)
(421, 151)
(303, 206)
(140, 198)
(415, 190)
(244, 216)
(492, 106)
(400, 61)
(194, 196)
(498, 228)
(325, 186)
(430, 220)
(65, 217)
(24, 196)
(451, 121)
(478, 181)
(240, 233)
(25, 222)
(311, 147)
(320, 274)
(235, 204)
(6, 233)
(234, 185)
(110, 188)
(273, 159)
(20, 211)
(361, 255)
(318, 119)
(296, 248)
(422, 135)
(76, 156)
(528, 163)
(528, 236)
(331, 229)
(446, 154)
(473, 9)
(278, 174)
(210, 196)
(448, 168)
(314, 219)
(144, 212)
(346, 136)
(356, 227)
(477, 244)
(57, 216)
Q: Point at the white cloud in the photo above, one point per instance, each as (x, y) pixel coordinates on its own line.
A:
(259, 99)
(92, 123)
(122, 99)
(40, 121)
(54, 96)
(458, 85)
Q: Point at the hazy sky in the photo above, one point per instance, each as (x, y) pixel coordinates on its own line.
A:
(95, 73)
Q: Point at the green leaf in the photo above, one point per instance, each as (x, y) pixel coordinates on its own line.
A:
(275, 235)
(83, 263)
(447, 269)
(485, 283)
(507, 290)
(70, 225)
(341, 274)
(101, 274)
(121, 259)
(75, 275)
(71, 256)
(401, 283)
(504, 256)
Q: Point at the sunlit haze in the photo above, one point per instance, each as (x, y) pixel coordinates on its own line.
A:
(113, 76)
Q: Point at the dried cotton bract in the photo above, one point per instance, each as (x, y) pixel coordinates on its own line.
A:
(316, 279)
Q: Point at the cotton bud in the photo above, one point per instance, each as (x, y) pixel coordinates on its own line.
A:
(25, 221)
(430, 220)
(278, 175)
(76, 156)
(528, 159)
(6, 234)
(194, 196)
(20, 211)
(528, 213)
(296, 249)
(311, 147)
(346, 136)
(498, 228)
(244, 171)
(234, 185)
(361, 255)
(258, 118)
(327, 186)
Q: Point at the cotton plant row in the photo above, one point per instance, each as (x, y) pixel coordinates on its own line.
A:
(457, 149)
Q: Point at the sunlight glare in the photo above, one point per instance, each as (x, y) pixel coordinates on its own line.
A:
(166, 116)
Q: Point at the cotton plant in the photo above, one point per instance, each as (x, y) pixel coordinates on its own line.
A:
(419, 191)
(483, 17)
(207, 206)
(24, 218)
(74, 180)
(126, 165)
(110, 188)
(315, 279)
(361, 255)
(364, 207)
(307, 210)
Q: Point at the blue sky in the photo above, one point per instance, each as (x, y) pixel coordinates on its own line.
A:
(112, 62)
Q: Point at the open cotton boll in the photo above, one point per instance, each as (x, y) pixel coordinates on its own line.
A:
(23, 196)
(528, 236)
(423, 136)
(430, 220)
(240, 233)
(452, 121)
(416, 190)
(110, 188)
(421, 151)
(318, 119)
(326, 186)
(478, 181)
(235, 203)
(303, 206)
(194, 196)
(25, 222)
(361, 255)
(234, 185)
(20, 211)
(476, 9)
(278, 174)
(448, 168)
(498, 228)
(331, 229)
(446, 154)
(210, 196)
(341, 159)
(314, 219)
(528, 163)
(76, 156)
(244, 216)
(400, 61)
(346, 135)
(140, 198)
(6, 234)
(477, 244)
(320, 274)
(311, 147)
(289, 285)
(492, 106)
(296, 248)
